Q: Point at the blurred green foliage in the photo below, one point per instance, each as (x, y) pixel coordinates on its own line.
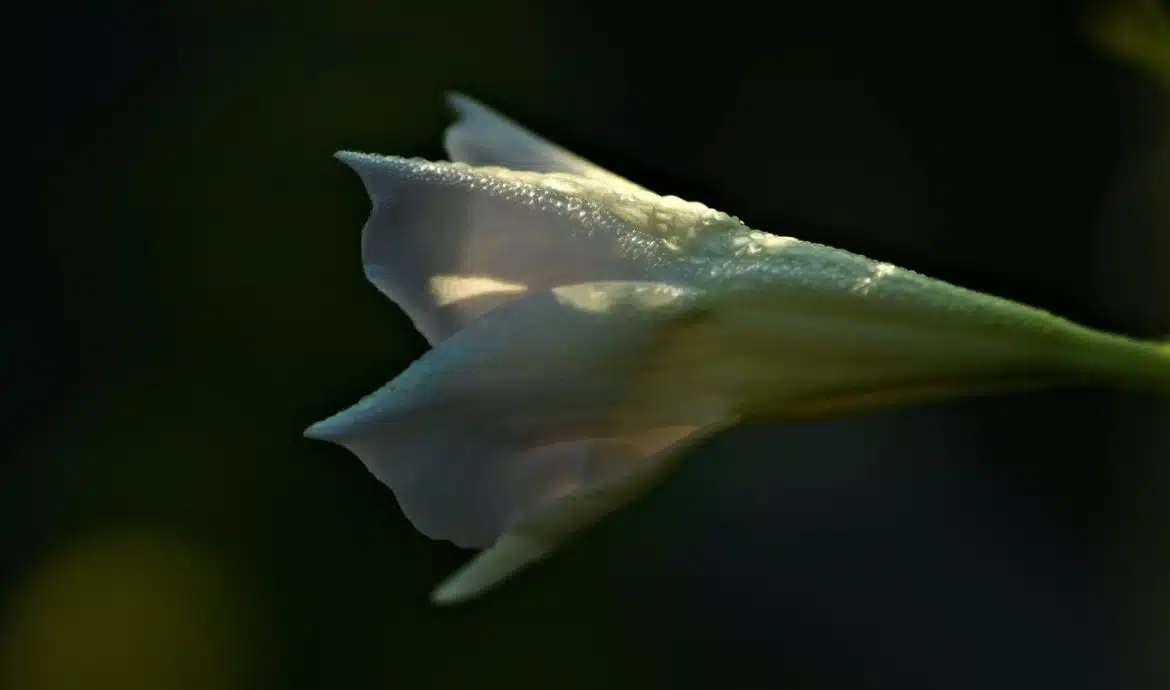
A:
(1135, 30)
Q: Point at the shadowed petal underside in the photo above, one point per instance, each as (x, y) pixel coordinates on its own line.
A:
(481, 136)
(500, 421)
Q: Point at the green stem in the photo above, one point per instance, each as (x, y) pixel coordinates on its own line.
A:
(1126, 362)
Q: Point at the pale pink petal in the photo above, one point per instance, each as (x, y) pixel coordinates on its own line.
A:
(536, 400)
(448, 243)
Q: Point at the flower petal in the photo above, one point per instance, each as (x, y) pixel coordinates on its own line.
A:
(448, 243)
(536, 535)
(531, 402)
(481, 136)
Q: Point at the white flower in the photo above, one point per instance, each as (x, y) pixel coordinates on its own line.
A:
(584, 328)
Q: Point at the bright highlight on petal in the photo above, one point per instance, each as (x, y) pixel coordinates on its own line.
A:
(451, 289)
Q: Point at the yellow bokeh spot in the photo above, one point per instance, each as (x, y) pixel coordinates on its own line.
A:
(1135, 30)
(127, 611)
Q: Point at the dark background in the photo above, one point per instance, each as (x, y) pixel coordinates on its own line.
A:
(190, 297)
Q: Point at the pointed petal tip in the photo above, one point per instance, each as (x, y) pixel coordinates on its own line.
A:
(328, 429)
(315, 432)
(360, 163)
(376, 171)
(489, 568)
(353, 159)
(472, 116)
(446, 595)
(460, 102)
